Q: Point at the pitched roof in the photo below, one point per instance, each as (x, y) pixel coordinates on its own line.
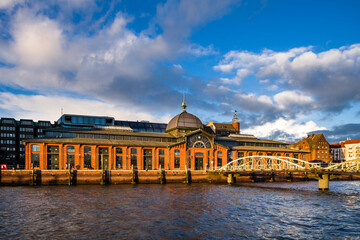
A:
(313, 139)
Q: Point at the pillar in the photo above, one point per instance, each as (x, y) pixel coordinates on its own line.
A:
(230, 178)
(324, 182)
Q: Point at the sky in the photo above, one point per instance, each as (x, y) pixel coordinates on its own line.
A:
(289, 68)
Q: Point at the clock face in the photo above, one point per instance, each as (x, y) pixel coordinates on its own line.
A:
(199, 141)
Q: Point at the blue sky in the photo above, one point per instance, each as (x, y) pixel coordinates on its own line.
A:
(288, 67)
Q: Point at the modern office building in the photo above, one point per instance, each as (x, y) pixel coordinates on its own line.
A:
(8, 141)
(186, 143)
(12, 133)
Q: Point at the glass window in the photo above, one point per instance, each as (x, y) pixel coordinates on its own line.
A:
(134, 161)
(177, 158)
(70, 149)
(219, 159)
(133, 151)
(119, 150)
(161, 158)
(119, 161)
(35, 160)
(35, 148)
(87, 149)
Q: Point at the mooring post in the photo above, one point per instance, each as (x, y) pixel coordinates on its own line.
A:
(230, 178)
(69, 176)
(252, 176)
(324, 182)
(290, 176)
(32, 175)
(162, 177)
(272, 177)
(133, 180)
(186, 175)
(102, 181)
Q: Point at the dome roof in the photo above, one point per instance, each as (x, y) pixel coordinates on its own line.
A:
(184, 120)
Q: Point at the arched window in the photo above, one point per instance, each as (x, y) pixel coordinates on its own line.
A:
(219, 159)
(177, 158)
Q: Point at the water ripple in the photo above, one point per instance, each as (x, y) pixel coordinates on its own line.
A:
(181, 211)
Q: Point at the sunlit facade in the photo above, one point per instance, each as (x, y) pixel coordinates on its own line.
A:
(185, 144)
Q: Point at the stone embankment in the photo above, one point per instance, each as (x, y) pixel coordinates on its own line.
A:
(80, 177)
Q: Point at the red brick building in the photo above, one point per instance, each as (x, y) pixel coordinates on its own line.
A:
(317, 145)
(186, 143)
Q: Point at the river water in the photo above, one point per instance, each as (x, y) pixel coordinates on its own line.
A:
(181, 211)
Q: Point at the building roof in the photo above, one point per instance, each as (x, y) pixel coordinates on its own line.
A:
(352, 141)
(184, 120)
(267, 149)
(224, 126)
(105, 142)
(313, 139)
(112, 132)
(250, 139)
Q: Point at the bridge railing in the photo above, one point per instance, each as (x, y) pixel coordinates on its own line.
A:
(350, 165)
(252, 163)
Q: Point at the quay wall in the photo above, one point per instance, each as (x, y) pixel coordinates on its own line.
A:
(81, 177)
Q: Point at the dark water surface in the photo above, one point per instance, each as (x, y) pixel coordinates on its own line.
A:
(180, 211)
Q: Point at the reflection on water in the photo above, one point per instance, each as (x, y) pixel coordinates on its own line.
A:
(197, 211)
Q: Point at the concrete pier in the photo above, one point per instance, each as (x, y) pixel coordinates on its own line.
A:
(230, 178)
(324, 182)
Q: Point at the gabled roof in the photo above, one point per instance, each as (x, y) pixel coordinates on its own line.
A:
(200, 130)
(313, 139)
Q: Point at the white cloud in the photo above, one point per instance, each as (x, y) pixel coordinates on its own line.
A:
(37, 41)
(291, 98)
(331, 77)
(179, 17)
(237, 80)
(42, 107)
(198, 50)
(44, 58)
(292, 128)
(177, 66)
(8, 4)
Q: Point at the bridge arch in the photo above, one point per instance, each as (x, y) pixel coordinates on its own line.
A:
(257, 163)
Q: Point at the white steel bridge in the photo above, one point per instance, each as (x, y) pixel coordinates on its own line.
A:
(273, 164)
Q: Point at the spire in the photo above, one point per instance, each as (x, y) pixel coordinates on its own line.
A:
(235, 118)
(183, 105)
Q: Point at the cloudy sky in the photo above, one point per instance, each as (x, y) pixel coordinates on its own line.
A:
(288, 67)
